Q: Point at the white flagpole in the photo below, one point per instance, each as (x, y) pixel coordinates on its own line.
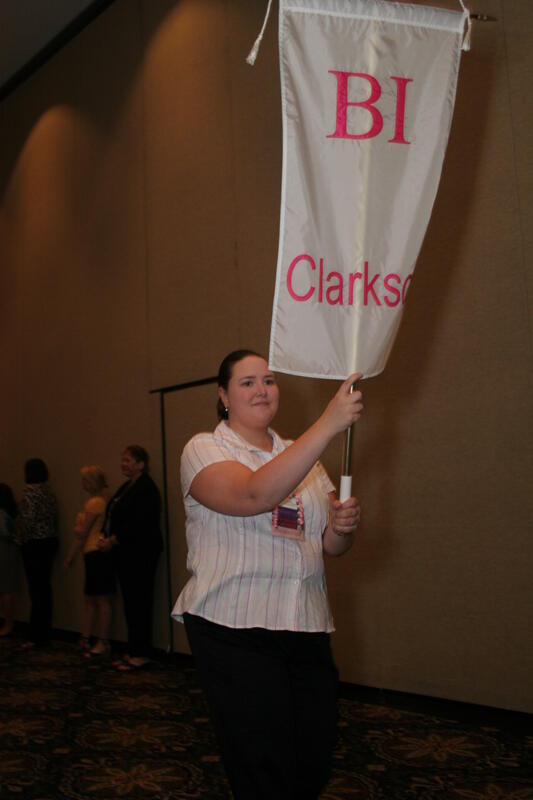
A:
(345, 489)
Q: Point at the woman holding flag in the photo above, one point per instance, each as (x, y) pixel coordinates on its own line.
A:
(261, 512)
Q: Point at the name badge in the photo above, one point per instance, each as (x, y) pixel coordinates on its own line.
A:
(288, 519)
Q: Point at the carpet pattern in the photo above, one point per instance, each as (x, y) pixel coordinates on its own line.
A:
(73, 728)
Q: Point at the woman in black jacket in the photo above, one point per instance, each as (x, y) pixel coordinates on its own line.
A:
(132, 529)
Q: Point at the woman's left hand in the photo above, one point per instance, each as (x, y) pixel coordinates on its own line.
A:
(345, 517)
(343, 521)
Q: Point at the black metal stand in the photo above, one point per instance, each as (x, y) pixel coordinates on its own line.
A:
(162, 391)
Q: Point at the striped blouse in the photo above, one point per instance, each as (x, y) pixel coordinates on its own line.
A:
(244, 576)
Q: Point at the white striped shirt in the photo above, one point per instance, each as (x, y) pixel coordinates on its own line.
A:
(242, 575)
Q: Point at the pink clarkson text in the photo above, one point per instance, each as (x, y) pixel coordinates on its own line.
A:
(337, 289)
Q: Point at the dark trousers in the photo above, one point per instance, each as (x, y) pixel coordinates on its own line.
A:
(136, 569)
(273, 702)
(37, 557)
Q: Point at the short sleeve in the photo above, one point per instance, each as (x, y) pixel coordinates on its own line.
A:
(95, 505)
(324, 478)
(201, 451)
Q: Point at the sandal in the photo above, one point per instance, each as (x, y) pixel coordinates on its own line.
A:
(97, 654)
(132, 666)
(83, 645)
(101, 648)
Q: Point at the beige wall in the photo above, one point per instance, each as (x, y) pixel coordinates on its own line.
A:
(139, 206)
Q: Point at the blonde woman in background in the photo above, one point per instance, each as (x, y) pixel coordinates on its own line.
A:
(99, 573)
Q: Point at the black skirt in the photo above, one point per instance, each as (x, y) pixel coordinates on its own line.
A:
(99, 573)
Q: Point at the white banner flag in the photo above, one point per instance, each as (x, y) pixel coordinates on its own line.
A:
(368, 89)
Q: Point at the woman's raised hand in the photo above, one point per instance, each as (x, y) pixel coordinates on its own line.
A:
(345, 407)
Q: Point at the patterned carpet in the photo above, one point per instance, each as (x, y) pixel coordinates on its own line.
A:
(77, 728)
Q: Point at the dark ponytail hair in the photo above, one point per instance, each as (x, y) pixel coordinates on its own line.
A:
(225, 371)
(35, 471)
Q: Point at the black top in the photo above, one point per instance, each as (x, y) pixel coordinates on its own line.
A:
(37, 517)
(133, 514)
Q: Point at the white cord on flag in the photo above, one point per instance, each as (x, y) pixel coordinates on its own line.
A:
(252, 55)
(467, 41)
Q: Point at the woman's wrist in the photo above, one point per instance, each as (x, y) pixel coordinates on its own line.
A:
(336, 543)
(342, 534)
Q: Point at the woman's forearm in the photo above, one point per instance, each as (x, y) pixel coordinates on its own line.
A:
(272, 483)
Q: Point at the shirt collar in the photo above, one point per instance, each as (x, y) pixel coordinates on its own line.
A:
(229, 435)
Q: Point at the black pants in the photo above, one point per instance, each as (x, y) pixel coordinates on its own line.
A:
(136, 569)
(37, 557)
(273, 701)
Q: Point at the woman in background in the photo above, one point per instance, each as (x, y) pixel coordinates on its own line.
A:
(260, 514)
(99, 584)
(132, 530)
(36, 532)
(8, 557)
